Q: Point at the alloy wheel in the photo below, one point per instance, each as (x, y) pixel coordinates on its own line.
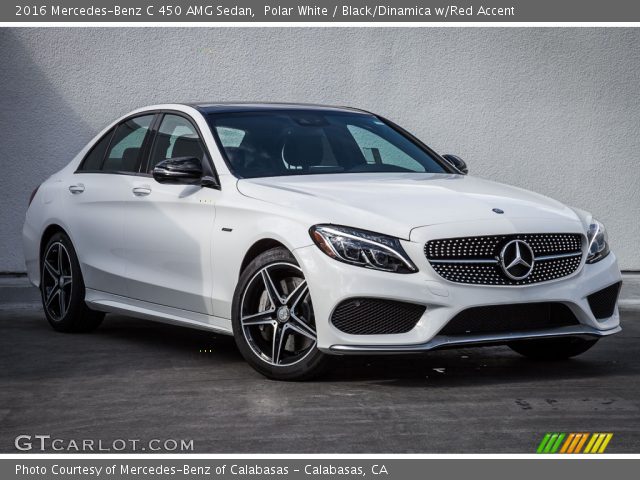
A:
(57, 280)
(276, 315)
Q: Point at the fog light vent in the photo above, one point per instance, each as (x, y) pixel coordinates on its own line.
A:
(603, 302)
(373, 316)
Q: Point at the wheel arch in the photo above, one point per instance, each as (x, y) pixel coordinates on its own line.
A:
(258, 248)
(48, 232)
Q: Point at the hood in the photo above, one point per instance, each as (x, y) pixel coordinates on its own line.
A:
(395, 204)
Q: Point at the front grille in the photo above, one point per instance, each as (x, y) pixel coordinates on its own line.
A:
(476, 260)
(372, 316)
(603, 302)
(510, 318)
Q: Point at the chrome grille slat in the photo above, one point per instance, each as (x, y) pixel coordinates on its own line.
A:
(474, 260)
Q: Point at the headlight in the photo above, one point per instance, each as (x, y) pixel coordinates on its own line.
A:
(598, 242)
(362, 248)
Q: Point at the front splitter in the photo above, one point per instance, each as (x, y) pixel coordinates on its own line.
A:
(444, 341)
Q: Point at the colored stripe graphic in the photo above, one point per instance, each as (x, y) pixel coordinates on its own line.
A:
(556, 445)
(543, 443)
(557, 442)
(567, 442)
(606, 441)
(581, 442)
(598, 443)
(550, 443)
(592, 441)
(576, 439)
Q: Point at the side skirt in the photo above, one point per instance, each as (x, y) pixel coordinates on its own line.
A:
(107, 302)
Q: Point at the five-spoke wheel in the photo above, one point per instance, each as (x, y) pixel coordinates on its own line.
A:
(57, 280)
(277, 315)
(274, 324)
(62, 288)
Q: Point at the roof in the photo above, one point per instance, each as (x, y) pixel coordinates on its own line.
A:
(227, 107)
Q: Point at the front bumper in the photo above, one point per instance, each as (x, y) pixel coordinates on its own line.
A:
(330, 282)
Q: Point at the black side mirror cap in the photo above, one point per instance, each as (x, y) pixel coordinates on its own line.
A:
(457, 163)
(179, 170)
(209, 181)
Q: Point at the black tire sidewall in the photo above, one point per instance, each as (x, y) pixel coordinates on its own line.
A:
(312, 365)
(78, 316)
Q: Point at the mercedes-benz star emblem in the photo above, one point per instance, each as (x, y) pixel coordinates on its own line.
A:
(516, 259)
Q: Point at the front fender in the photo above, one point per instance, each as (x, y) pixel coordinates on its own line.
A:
(239, 226)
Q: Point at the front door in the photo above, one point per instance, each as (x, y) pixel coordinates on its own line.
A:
(168, 228)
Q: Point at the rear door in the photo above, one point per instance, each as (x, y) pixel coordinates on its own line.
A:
(98, 196)
(168, 228)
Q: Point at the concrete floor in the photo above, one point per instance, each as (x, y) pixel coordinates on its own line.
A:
(133, 379)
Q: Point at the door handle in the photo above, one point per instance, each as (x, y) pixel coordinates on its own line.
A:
(76, 189)
(141, 191)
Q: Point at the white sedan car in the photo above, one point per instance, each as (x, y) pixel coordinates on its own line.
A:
(309, 231)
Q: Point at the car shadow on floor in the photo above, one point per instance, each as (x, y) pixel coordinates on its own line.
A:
(444, 368)
(125, 344)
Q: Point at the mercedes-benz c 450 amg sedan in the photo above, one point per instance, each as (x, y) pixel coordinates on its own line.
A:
(309, 231)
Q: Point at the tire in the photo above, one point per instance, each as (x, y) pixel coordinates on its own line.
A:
(257, 317)
(62, 288)
(552, 348)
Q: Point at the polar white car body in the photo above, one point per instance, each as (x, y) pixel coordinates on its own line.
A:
(175, 251)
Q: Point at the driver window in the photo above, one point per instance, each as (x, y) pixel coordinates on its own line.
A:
(176, 137)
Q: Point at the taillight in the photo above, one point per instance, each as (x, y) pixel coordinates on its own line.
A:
(33, 194)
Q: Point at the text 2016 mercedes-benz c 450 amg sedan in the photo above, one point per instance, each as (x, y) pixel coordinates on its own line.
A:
(309, 231)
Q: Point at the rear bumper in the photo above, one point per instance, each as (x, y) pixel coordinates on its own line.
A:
(443, 341)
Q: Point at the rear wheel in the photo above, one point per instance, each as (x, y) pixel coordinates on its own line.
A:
(62, 288)
(552, 348)
(273, 320)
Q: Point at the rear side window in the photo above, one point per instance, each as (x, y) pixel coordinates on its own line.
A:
(126, 146)
(93, 161)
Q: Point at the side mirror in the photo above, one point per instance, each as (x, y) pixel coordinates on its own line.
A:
(457, 163)
(180, 170)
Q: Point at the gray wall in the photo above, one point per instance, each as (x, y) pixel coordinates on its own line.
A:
(553, 110)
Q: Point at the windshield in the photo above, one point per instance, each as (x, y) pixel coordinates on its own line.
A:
(278, 143)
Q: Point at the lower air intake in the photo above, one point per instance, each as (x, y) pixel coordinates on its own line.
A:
(603, 302)
(372, 316)
(510, 318)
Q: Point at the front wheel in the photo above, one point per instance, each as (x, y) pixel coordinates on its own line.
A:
(273, 320)
(552, 348)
